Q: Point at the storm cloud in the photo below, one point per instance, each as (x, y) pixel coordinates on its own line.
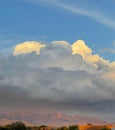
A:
(61, 77)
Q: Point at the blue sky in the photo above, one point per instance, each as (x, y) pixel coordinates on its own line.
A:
(50, 20)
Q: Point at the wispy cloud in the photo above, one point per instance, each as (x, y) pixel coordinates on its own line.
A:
(95, 15)
(114, 43)
(108, 50)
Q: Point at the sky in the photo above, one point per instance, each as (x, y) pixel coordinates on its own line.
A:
(58, 56)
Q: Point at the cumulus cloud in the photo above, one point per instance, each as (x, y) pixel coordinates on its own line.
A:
(63, 44)
(80, 47)
(62, 76)
(28, 47)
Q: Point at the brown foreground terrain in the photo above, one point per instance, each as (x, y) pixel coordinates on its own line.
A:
(94, 127)
(7, 125)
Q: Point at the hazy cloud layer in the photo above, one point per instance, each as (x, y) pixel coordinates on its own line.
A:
(61, 77)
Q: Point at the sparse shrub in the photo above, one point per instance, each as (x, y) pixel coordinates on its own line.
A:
(89, 124)
(35, 128)
(18, 126)
(74, 127)
(105, 128)
(63, 128)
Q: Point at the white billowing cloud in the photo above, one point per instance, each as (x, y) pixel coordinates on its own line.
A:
(59, 54)
(62, 54)
(80, 47)
(62, 73)
(28, 47)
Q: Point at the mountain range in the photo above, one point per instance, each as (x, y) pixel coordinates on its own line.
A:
(53, 119)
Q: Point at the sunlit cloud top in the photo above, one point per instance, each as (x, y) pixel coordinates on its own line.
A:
(28, 47)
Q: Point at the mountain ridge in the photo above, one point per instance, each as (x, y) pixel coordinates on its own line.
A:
(52, 119)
